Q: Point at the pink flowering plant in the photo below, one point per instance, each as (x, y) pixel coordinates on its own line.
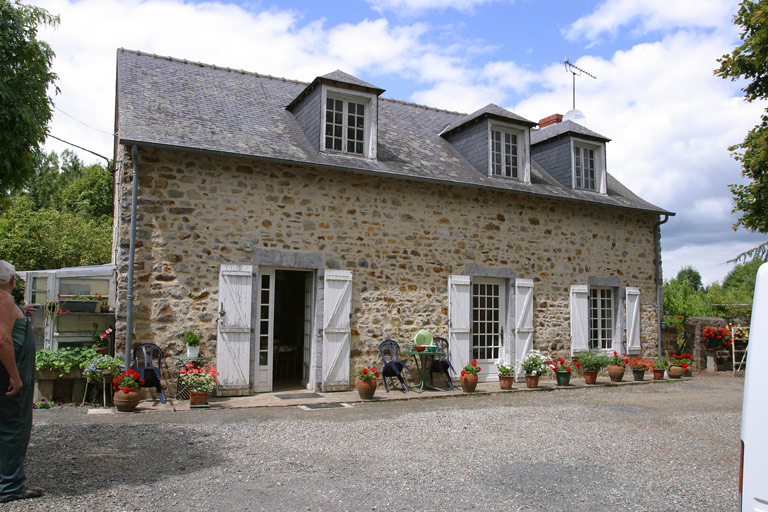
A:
(368, 373)
(199, 380)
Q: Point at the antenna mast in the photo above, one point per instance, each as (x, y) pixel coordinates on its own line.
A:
(575, 70)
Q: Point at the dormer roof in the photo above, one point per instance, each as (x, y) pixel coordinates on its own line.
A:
(490, 111)
(563, 127)
(338, 79)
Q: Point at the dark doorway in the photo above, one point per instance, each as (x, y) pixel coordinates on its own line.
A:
(288, 337)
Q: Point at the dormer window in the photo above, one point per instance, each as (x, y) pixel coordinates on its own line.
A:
(588, 165)
(348, 122)
(344, 126)
(508, 150)
(505, 160)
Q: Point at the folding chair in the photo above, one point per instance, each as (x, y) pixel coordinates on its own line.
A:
(441, 363)
(144, 357)
(393, 366)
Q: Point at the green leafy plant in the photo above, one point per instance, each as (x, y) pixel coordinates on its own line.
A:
(661, 363)
(94, 370)
(683, 360)
(127, 381)
(592, 361)
(42, 404)
(368, 374)
(535, 363)
(561, 365)
(617, 360)
(101, 339)
(505, 369)
(64, 360)
(199, 380)
(191, 339)
(471, 368)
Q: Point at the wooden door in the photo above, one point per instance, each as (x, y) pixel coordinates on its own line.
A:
(233, 340)
(337, 298)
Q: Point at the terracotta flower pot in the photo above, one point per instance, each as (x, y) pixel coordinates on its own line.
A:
(506, 382)
(468, 382)
(658, 374)
(616, 372)
(532, 381)
(590, 377)
(198, 398)
(101, 350)
(563, 378)
(675, 371)
(126, 402)
(687, 371)
(366, 388)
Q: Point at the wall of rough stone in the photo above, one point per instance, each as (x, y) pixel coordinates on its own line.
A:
(401, 239)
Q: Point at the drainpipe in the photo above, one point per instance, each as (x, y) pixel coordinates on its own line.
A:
(131, 250)
(659, 296)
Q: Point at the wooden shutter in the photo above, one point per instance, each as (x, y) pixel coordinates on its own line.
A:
(233, 341)
(579, 318)
(337, 298)
(633, 319)
(459, 326)
(523, 319)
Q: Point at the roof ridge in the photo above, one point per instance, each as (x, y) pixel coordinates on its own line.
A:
(425, 107)
(211, 66)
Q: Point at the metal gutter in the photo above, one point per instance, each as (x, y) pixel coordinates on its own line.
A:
(657, 260)
(131, 251)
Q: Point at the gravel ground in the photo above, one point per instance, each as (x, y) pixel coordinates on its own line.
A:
(663, 446)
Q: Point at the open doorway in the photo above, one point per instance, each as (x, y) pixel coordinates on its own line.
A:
(292, 311)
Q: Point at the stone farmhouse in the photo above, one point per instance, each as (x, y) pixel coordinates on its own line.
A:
(296, 226)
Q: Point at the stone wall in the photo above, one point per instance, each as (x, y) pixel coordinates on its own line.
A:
(401, 239)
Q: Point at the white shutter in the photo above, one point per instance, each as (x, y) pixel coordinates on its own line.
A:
(510, 326)
(633, 319)
(459, 326)
(233, 341)
(579, 318)
(337, 298)
(523, 319)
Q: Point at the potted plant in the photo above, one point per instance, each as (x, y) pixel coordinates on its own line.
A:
(506, 374)
(469, 376)
(78, 303)
(126, 386)
(639, 367)
(97, 368)
(715, 338)
(104, 305)
(659, 366)
(562, 369)
(101, 339)
(192, 341)
(616, 367)
(534, 364)
(366, 382)
(683, 361)
(590, 362)
(199, 382)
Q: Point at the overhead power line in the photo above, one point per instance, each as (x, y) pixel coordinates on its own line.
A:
(109, 162)
(82, 123)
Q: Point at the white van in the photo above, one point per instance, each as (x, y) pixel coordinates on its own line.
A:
(753, 475)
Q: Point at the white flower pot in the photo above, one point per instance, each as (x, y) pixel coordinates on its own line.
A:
(193, 351)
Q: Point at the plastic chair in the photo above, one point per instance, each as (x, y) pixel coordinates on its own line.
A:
(393, 366)
(144, 357)
(441, 363)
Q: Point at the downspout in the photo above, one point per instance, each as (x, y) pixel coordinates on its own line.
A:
(657, 259)
(131, 250)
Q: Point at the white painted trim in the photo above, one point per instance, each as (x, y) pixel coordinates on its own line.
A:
(601, 180)
(371, 119)
(524, 149)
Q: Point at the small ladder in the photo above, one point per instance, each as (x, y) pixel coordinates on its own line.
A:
(743, 335)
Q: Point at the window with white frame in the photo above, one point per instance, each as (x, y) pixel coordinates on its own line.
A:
(584, 166)
(505, 153)
(601, 318)
(346, 125)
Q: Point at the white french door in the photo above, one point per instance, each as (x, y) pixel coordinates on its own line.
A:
(489, 315)
(308, 313)
(262, 361)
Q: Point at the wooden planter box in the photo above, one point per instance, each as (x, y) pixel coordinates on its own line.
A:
(79, 306)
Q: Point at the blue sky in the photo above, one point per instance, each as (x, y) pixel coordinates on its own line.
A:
(670, 120)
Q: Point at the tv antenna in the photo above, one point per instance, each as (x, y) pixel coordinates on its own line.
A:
(575, 71)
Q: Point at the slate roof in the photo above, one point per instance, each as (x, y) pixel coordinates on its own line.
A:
(492, 111)
(553, 130)
(172, 103)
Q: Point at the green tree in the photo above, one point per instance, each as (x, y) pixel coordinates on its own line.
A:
(691, 276)
(742, 277)
(25, 74)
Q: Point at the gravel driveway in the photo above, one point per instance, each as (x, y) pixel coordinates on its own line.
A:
(662, 446)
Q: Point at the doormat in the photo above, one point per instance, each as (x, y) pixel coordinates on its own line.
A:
(323, 406)
(292, 396)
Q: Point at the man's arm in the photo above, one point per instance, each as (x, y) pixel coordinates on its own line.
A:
(8, 314)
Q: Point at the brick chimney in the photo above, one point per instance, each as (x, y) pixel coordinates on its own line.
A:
(553, 119)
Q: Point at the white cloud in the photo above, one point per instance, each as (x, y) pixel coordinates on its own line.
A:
(613, 16)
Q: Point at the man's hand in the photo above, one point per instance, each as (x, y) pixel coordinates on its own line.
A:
(14, 386)
(28, 309)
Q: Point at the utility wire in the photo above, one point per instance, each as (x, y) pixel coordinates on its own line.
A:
(82, 123)
(84, 149)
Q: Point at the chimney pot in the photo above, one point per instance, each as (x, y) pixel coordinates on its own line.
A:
(553, 119)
